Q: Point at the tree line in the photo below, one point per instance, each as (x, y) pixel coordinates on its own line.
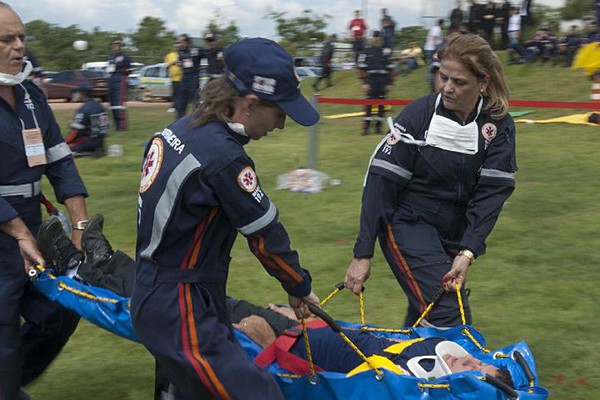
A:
(151, 41)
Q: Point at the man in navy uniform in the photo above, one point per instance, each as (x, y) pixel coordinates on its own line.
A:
(89, 127)
(119, 66)
(33, 329)
(377, 72)
(189, 61)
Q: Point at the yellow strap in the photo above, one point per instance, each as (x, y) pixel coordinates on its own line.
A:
(311, 366)
(376, 361)
(399, 347)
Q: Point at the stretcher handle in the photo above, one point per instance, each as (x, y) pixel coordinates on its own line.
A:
(510, 392)
(319, 312)
(523, 364)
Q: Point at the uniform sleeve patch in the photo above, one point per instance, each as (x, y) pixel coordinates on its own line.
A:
(489, 131)
(152, 164)
(247, 179)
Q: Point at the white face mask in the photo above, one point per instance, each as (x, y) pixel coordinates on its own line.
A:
(447, 134)
(12, 80)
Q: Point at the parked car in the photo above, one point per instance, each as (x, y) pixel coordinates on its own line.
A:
(308, 72)
(155, 82)
(63, 84)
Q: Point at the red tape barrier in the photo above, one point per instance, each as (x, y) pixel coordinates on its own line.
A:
(588, 105)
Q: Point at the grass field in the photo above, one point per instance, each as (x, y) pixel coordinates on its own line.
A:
(538, 282)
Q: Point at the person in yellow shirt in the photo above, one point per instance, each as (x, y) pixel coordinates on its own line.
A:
(175, 73)
(410, 58)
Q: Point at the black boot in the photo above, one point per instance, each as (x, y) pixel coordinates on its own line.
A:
(96, 248)
(56, 247)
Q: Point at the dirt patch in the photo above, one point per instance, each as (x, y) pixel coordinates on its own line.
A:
(64, 105)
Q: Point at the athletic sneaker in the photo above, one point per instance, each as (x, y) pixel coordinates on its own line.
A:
(56, 247)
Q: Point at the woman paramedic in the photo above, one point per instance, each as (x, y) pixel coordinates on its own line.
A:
(199, 189)
(436, 184)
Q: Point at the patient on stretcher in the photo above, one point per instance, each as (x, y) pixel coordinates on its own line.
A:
(428, 358)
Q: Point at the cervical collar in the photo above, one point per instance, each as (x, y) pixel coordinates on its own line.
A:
(12, 80)
(440, 368)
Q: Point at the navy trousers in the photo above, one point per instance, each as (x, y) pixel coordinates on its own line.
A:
(186, 327)
(26, 349)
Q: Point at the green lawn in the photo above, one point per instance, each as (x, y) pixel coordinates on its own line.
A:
(538, 282)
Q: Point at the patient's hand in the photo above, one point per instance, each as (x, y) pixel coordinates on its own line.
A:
(283, 310)
(257, 329)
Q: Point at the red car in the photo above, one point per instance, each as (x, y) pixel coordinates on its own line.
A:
(63, 84)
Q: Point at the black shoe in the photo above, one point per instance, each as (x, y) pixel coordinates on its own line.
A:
(56, 247)
(96, 248)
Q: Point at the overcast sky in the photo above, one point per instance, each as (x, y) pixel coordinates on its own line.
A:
(192, 16)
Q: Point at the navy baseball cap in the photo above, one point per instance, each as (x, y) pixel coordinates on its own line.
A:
(262, 67)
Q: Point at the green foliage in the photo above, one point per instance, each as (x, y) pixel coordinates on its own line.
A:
(152, 39)
(538, 281)
(576, 9)
(225, 34)
(410, 34)
(299, 32)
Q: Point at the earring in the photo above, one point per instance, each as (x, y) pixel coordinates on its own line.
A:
(247, 112)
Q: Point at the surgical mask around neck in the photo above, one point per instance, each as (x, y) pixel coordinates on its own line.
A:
(12, 80)
(237, 128)
(447, 134)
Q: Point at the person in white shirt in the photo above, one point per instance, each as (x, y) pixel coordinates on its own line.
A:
(434, 40)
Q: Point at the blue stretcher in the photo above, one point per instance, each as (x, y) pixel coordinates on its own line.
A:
(111, 312)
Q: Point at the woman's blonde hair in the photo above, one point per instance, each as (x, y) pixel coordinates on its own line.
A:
(217, 100)
(475, 54)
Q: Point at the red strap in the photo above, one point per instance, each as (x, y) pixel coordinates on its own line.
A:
(279, 351)
(48, 204)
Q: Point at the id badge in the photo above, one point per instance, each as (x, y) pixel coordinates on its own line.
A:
(34, 147)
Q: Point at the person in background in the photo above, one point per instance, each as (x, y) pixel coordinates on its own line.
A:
(456, 15)
(189, 61)
(199, 189)
(434, 40)
(214, 56)
(388, 27)
(410, 59)
(358, 29)
(119, 66)
(175, 74)
(89, 127)
(377, 72)
(436, 185)
(569, 45)
(33, 329)
(326, 60)
(475, 14)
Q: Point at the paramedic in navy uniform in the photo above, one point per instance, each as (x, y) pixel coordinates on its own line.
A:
(198, 190)
(31, 146)
(119, 67)
(436, 184)
(189, 61)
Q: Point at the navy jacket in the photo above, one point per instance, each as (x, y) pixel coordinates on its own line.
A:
(199, 189)
(465, 192)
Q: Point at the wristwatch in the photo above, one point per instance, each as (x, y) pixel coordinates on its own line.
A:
(80, 225)
(469, 254)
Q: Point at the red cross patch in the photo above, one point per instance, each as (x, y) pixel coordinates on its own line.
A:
(247, 179)
(152, 164)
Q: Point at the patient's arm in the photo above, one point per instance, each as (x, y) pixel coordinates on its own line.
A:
(257, 329)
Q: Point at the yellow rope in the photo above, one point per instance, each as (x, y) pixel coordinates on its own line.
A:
(290, 376)
(470, 336)
(434, 385)
(460, 305)
(360, 354)
(417, 322)
(361, 305)
(62, 285)
(311, 366)
(391, 330)
(335, 291)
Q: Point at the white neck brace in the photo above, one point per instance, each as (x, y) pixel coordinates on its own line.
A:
(12, 80)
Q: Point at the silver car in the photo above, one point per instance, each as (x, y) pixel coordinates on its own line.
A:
(155, 82)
